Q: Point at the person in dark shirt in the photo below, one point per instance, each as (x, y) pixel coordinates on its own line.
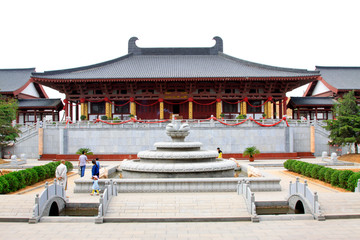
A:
(220, 153)
(95, 169)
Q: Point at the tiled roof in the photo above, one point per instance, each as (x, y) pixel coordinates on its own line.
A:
(40, 102)
(310, 101)
(142, 63)
(342, 78)
(13, 79)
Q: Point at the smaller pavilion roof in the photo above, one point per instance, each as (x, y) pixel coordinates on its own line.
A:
(311, 101)
(341, 78)
(52, 103)
(13, 79)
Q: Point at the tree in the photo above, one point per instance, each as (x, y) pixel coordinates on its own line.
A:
(8, 132)
(345, 129)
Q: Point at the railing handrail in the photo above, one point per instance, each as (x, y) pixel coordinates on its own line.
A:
(156, 123)
(243, 189)
(110, 190)
(48, 193)
(303, 190)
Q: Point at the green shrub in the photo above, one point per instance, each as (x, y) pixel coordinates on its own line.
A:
(287, 163)
(344, 177)
(34, 174)
(52, 167)
(292, 165)
(27, 177)
(20, 177)
(335, 178)
(309, 169)
(13, 182)
(352, 181)
(86, 150)
(303, 168)
(297, 167)
(4, 185)
(41, 172)
(328, 173)
(69, 166)
(315, 170)
(321, 174)
(48, 172)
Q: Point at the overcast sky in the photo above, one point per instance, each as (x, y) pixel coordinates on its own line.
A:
(53, 35)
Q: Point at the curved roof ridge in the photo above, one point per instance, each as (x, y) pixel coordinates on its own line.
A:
(218, 47)
(254, 64)
(17, 69)
(337, 67)
(83, 68)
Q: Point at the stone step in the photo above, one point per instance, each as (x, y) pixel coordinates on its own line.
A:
(339, 203)
(177, 205)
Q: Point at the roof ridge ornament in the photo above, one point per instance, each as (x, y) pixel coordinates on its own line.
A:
(134, 49)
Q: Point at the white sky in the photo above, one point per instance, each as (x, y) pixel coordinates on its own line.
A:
(52, 35)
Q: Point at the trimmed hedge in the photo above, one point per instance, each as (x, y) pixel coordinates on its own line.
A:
(353, 180)
(346, 179)
(335, 178)
(14, 181)
(321, 174)
(328, 173)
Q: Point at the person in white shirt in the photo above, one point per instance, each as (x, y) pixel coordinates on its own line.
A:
(60, 174)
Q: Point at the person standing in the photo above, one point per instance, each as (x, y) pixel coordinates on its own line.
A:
(60, 174)
(95, 171)
(82, 163)
(220, 153)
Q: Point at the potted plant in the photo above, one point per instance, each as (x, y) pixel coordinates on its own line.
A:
(83, 117)
(222, 116)
(264, 115)
(86, 151)
(251, 152)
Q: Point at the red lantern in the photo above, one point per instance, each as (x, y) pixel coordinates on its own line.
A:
(82, 100)
(132, 99)
(161, 100)
(218, 100)
(106, 99)
(246, 99)
(190, 99)
(269, 98)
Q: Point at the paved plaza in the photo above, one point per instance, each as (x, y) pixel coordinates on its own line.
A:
(216, 211)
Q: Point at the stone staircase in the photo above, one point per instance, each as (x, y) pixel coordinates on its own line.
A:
(177, 206)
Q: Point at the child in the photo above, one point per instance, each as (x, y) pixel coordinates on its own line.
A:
(95, 186)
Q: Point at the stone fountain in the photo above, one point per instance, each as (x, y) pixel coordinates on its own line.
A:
(178, 159)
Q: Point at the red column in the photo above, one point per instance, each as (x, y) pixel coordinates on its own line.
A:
(280, 109)
(274, 109)
(66, 107)
(71, 110)
(284, 107)
(77, 112)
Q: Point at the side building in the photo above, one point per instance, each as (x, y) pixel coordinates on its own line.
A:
(34, 104)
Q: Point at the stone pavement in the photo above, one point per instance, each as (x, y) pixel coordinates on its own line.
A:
(189, 205)
(267, 230)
